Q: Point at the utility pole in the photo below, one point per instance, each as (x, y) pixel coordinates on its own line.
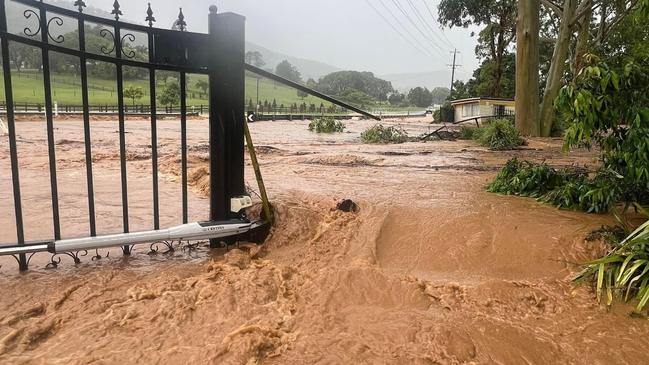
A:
(453, 66)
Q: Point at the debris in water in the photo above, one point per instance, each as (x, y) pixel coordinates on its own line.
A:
(348, 206)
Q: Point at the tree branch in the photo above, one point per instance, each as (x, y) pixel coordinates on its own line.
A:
(619, 19)
(554, 7)
(584, 8)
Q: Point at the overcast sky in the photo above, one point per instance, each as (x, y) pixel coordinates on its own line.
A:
(345, 33)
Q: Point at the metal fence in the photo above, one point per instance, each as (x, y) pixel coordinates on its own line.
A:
(144, 109)
(218, 54)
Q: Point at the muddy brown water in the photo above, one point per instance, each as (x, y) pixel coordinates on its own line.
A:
(431, 270)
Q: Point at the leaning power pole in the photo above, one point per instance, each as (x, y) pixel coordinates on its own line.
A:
(453, 67)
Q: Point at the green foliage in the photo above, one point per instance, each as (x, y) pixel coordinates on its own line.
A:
(381, 134)
(440, 95)
(527, 179)
(610, 108)
(286, 70)
(567, 188)
(445, 114)
(343, 83)
(396, 98)
(170, 95)
(500, 135)
(497, 19)
(326, 125)
(624, 272)
(133, 93)
(255, 58)
(420, 96)
(466, 132)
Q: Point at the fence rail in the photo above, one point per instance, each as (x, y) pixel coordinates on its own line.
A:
(34, 108)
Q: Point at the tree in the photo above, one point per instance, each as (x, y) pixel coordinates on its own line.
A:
(527, 65)
(286, 70)
(420, 97)
(311, 84)
(577, 14)
(170, 95)
(255, 58)
(396, 98)
(499, 20)
(342, 82)
(134, 93)
(203, 85)
(440, 94)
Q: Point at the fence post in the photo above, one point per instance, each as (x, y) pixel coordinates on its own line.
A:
(227, 103)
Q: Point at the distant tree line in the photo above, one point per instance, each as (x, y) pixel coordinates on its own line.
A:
(359, 88)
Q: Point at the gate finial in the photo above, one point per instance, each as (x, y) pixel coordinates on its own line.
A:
(180, 23)
(116, 10)
(213, 9)
(80, 4)
(150, 18)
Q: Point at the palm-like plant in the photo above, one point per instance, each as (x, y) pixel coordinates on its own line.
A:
(625, 270)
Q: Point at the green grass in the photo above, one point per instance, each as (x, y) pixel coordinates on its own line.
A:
(66, 90)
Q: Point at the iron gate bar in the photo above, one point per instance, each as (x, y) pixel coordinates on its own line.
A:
(183, 143)
(315, 93)
(103, 58)
(47, 87)
(13, 151)
(117, 39)
(154, 126)
(86, 126)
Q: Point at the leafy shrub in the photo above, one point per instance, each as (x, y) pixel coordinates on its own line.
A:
(467, 132)
(527, 179)
(500, 135)
(326, 125)
(382, 134)
(567, 188)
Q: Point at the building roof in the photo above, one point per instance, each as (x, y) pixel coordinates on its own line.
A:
(473, 100)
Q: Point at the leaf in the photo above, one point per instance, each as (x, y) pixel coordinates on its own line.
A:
(643, 301)
(600, 282)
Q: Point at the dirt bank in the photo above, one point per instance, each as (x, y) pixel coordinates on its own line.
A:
(431, 269)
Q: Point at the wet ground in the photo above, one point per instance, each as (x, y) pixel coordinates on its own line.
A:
(431, 270)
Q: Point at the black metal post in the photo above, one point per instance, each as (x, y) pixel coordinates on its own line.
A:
(227, 103)
(47, 87)
(86, 127)
(6, 68)
(154, 132)
(122, 134)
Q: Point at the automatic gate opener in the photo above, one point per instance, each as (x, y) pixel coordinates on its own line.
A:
(187, 232)
(198, 231)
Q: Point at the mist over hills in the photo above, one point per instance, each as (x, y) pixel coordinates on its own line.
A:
(308, 68)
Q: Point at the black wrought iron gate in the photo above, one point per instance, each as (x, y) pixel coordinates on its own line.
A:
(218, 54)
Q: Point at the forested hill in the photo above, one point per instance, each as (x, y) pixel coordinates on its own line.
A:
(308, 68)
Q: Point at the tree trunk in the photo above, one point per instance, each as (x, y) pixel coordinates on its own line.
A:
(557, 68)
(527, 68)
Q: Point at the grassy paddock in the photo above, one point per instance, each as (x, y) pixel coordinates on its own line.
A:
(66, 90)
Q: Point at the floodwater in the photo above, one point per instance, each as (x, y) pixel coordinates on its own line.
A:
(431, 270)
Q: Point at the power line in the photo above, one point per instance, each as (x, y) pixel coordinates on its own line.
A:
(404, 27)
(425, 24)
(397, 30)
(402, 10)
(432, 16)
